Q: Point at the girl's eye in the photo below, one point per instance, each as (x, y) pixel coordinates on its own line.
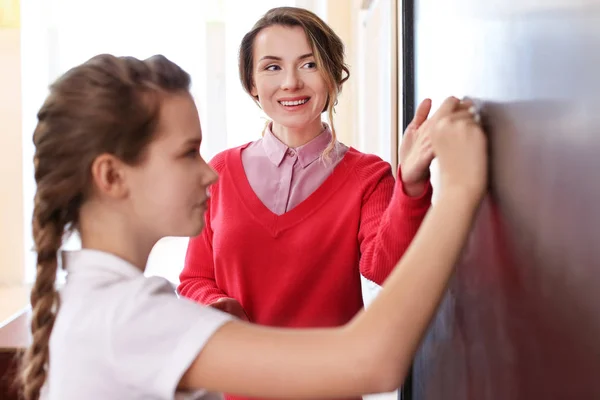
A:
(192, 153)
(272, 68)
(310, 65)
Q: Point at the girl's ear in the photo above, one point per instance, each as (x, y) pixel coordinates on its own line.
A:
(108, 175)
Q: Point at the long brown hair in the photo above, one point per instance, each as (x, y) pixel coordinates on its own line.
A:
(106, 105)
(326, 46)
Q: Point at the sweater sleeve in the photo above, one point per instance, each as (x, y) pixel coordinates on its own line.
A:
(197, 279)
(389, 218)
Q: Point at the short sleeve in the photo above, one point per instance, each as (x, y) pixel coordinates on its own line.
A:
(155, 336)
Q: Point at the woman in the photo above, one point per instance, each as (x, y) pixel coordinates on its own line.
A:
(297, 216)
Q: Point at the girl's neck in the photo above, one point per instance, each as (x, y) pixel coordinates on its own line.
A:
(109, 231)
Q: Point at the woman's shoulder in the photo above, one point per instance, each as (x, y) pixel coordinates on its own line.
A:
(367, 166)
(223, 158)
(364, 158)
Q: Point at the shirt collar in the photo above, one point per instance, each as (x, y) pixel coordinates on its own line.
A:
(274, 148)
(307, 153)
(86, 261)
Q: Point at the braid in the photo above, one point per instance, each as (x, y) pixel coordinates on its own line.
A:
(48, 229)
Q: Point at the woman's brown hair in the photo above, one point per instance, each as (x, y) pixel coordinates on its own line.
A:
(326, 46)
(106, 105)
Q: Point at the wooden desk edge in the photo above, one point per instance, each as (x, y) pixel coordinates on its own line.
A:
(15, 334)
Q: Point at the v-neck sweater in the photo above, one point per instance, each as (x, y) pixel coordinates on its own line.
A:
(301, 268)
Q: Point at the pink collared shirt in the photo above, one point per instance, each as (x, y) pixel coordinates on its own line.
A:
(283, 177)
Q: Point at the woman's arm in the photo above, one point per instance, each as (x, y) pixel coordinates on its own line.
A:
(370, 355)
(389, 219)
(373, 352)
(392, 210)
(197, 279)
(392, 213)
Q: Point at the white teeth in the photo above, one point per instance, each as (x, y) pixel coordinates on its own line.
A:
(293, 103)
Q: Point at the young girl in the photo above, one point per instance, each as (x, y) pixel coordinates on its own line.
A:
(297, 216)
(117, 159)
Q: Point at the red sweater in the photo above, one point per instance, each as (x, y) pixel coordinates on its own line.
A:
(301, 269)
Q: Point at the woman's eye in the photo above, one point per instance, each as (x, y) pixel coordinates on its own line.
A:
(272, 68)
(310, 65)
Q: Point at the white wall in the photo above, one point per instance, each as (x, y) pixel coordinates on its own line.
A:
(11, 189)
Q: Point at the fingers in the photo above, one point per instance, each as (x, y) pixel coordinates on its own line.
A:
(230, 306)
(464, 106)
(475, 113)
(452, 104)
(448, 106)
(473, 108)
(422, 113)
(462, 114)
(419, 119)
(450, 112)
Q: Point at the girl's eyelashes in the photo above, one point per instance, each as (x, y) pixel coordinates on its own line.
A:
(192, 153)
